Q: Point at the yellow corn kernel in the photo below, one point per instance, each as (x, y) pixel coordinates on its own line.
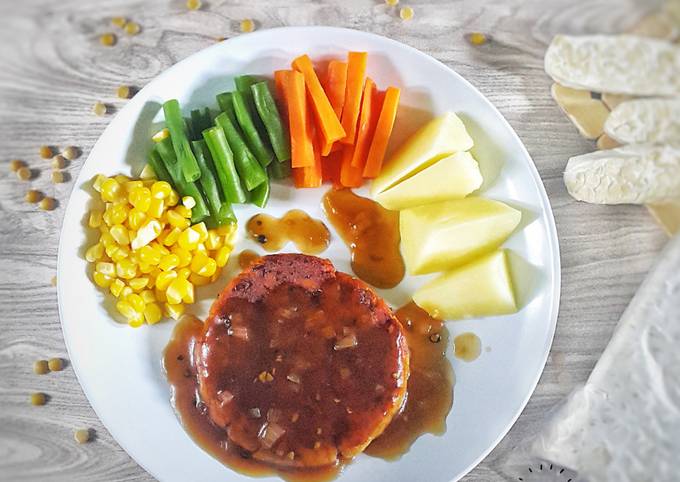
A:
(169, 261)
(247, 25)
(180, 290)
(116, 287)
(214, 240)
(200, 248)
(160, 248)
(120, 234)
(198, 280)
(152, 313)
(160, 190)
(136, 321)
(121, 178)
(125, 309)
(145, 268)
(226, 229)
(189, 239)
(174, 311)
(109, 269)
(183, 211)
(172, 199)
(130, 185)
(477, 38)
(111, 190)
(183, 273)
(125, 292)
(134, 257)
(138, 284)
(102, 280)
(119, 253)
(94, 252)
(95, 219)
(136, 218)
(222, 256)
(140, 197)
(201, 229)
(147, 173)
(106, 239)
(126, 269)
(115, 214)
(203, 265)
(148, 296)
(156, 208)
(164, 279)
(160, 135)
(160, 295)
(184, 256)
(406, 13)
(98, 181)
(149, 256)
(176, 220)
(172, 237)
(188, 202)
(136, 302)
(147, 233)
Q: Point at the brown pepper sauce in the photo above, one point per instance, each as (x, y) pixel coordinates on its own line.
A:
(310, 235)
(430, 386)
(372, 234)
(429, 400)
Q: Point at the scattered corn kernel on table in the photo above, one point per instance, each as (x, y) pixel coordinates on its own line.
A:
(58, 87)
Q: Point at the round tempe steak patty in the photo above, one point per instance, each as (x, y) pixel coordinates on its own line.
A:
(300, 364)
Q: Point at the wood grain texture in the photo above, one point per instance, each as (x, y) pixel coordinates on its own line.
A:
(53, 70)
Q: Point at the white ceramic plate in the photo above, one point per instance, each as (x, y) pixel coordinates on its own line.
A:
(119, 367)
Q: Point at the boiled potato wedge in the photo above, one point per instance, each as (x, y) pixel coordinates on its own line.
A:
(480, 288)
(453, 177)
(441, 236)
(437, 139)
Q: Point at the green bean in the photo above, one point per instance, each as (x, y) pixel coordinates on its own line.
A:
(260, 195)
(255, 143)
(269, 114)
(180, 142)
(250, 171)
(164, 150)
(159, 169)
(224, 100)
(280, 170)
(223, 161)
(207, 181)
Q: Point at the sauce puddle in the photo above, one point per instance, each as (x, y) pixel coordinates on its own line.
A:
(310, 235)
(430, 386)
(247, 258)
(372, 234)
(467, 346)
(181, 375)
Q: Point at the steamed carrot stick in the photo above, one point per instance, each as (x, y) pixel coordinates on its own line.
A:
(349, 176)
(301, 141)
(279, 77)
(310, 176)
(334, 85)
(368, 118)
(336, 81)
(356, 70)
(327, 121)
(330, 166)
(383, 130)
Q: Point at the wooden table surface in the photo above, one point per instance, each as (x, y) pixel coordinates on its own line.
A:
(53, 69)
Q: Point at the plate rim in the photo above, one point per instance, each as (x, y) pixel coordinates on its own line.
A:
(553, 239)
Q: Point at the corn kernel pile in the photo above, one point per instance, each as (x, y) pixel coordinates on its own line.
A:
(149, 256)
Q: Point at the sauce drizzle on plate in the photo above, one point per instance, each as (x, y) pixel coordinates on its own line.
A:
(430, 386)
(311, 236)
(372, 234)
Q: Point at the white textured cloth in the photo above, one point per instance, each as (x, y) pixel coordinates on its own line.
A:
(624, 424)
